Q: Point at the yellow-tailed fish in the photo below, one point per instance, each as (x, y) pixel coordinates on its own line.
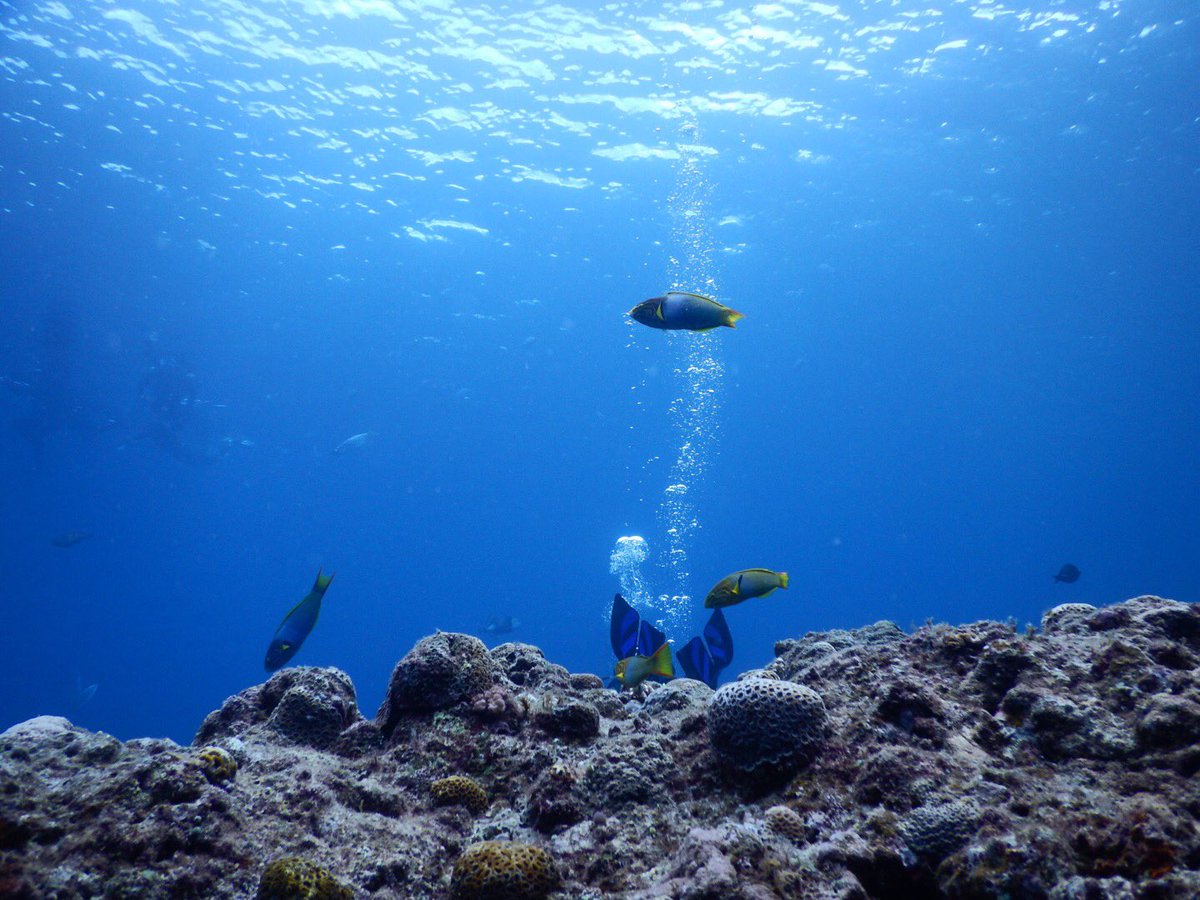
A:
(680, 310)
(744, 585)
(296, 625)
(633, 670)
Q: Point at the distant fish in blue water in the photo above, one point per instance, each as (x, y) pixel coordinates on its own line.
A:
(296, 625)
(683, 311)
(744, 585)
(354, 442)
(633, 670)
(703, 658)
(71, 538)
(1068, 574)
(83, 694)
(501, 625)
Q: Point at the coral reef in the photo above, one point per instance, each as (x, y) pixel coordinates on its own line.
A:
(966, 761)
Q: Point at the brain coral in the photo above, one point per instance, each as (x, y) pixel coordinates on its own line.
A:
(1068, 618)
(309, 716)
(786, 822)
(458, 789)
(765, 726)
(293, 878)
(439, 671)
(934, 832)
(503, 870)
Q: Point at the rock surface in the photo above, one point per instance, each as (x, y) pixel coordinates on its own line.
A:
(960, 762)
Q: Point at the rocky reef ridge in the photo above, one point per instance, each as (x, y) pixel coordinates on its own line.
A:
(969, 761)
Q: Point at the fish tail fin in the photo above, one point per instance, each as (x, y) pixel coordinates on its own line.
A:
(732, 317)
(322, 582)
(660, 662)
(783, 579)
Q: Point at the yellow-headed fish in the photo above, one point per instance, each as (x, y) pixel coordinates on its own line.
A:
(633, 670)
(296, 625)
(680, 310)
(744, 585)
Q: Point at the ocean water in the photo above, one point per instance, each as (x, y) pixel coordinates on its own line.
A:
(965, 237)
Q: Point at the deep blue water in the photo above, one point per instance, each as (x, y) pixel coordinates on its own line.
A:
(966, 239)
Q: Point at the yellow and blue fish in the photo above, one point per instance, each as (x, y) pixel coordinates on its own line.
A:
(684, 311)
(744, 585)
(633, 670)
(296, 625)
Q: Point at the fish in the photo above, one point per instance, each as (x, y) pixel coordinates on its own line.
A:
(71, 538)
(1068, 574)
(296, 625)
(501, 624)
(744, 585)
(354, 442)
(84, 692)
(633, 670)
(684, 311)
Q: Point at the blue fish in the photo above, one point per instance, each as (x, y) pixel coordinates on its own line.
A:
(682, 310)
(296, 625)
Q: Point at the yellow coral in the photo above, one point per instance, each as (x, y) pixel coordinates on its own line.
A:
(458, 789)
(293, 878)
(218, 765)
(503, 870)
(786, 822)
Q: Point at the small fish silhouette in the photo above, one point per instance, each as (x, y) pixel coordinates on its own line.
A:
(70, 538)
(1068, 574)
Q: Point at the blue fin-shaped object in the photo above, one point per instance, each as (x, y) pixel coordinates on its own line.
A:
(719, 640)
(649, 639)
(696, 662)
(623, 628)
